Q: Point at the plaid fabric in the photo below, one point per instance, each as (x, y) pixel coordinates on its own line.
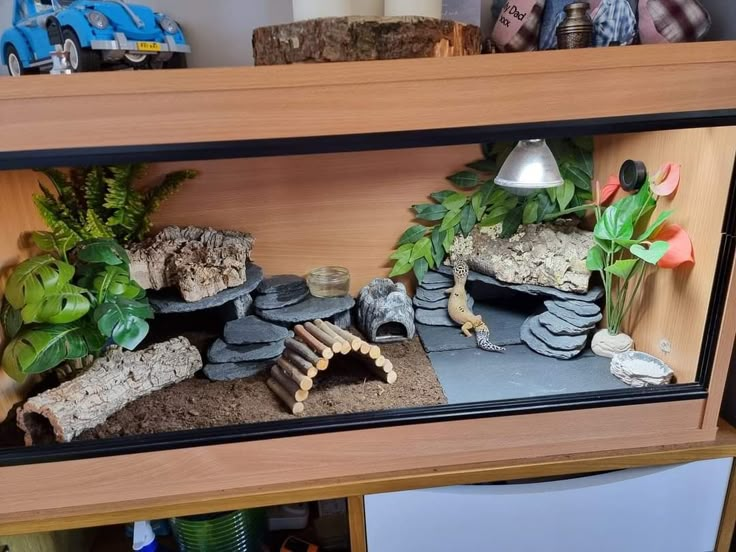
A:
(527, 37)
(614, 21)
(672, 21)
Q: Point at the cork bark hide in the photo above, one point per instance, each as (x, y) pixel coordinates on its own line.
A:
(551, 255)
(200, 262)
(363, 39)
(113, 381)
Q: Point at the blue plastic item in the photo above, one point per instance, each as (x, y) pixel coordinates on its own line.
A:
(92, 32)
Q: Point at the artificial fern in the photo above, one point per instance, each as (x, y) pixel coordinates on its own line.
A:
(100, 202)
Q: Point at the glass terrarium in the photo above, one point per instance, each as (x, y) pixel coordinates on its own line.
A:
(157, 293)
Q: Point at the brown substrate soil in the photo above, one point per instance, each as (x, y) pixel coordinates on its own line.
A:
(343, 388)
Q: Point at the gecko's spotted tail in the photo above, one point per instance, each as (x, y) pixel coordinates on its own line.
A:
(482, 337)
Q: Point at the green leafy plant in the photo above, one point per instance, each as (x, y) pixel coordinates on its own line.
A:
(56, 311)
(477, 200)
(628, 245)
(100, 202)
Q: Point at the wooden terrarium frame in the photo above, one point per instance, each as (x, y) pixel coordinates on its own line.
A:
(254, 126)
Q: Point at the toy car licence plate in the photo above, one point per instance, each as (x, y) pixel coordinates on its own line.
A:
(148, 47)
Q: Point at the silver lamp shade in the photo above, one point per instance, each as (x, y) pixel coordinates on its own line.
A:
(529, 167)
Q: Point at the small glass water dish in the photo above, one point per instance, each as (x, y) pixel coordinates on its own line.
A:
(329, 281)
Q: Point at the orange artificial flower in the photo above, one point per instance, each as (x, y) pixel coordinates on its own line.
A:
(666, 180)
(612, 186)
(681, 248)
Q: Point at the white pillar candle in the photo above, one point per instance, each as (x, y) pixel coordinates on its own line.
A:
(367, 7)
(312, 9)
(426, 8)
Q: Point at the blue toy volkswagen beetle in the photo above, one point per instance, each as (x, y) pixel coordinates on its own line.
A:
(93, 33)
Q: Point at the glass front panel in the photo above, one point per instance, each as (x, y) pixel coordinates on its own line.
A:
(577, 270)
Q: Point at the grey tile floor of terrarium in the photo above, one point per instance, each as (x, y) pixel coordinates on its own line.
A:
(505, 325)
(472, 375)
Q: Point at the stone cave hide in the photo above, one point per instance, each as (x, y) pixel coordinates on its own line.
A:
(385, 312)
(199, 262)
(547, 254)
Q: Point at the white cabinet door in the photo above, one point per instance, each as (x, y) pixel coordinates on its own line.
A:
(662, 509)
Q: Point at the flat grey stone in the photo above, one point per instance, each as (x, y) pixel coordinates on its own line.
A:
(436, 285)
(593, 294)
(281, 299)
(581, 308)
(558, 326)
(169, 300)
(539, 346)
(473, 375)
(439, 304)
(234, 370)
(559, 342)
(437, 317)
(310, 309)
(251, 329)
(431, 295)
(434, 277)
(572, 318)
(283, 283)
(221, 352)
(431, 305)
(504, 323)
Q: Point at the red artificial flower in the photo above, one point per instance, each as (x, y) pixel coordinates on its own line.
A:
(612, 186)
(666, 180)
(681, 248)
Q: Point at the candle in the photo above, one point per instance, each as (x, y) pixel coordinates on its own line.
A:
(312, 9)
(426, 8)
(367, 7)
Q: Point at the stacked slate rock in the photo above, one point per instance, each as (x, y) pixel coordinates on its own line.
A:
(252, 343)
(233, 302)
(285, 300)
(561, 331)
(430, 300)
(247, 347)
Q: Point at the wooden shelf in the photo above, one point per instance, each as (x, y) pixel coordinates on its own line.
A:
(154, 108)
(138, 112)
(113, 490)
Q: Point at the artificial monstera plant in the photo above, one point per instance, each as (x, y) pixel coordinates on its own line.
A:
(628, 245)
(56, 310)
(100, 202)
(478, 201)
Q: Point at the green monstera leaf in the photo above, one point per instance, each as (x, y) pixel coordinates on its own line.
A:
(10, 320)
(36, 277)
(38, 349)
(115, 281)
(103, 251)
(65, 305)
(124, 321)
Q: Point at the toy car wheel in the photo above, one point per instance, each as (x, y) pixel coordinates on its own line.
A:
(81, 60)
(12, 60)
(139, 61)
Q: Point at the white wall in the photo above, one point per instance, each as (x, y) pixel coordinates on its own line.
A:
(220, 31)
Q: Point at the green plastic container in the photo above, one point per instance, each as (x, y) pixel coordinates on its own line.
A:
(238, 531)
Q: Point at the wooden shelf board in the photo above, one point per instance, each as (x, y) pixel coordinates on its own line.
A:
(81, 500)
(266, 103)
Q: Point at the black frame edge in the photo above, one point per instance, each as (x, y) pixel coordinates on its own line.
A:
(67, 157)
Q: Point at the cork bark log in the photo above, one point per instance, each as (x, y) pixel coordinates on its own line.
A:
(200, 262)
(551, 255)
(363, 39)
(113, 381)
